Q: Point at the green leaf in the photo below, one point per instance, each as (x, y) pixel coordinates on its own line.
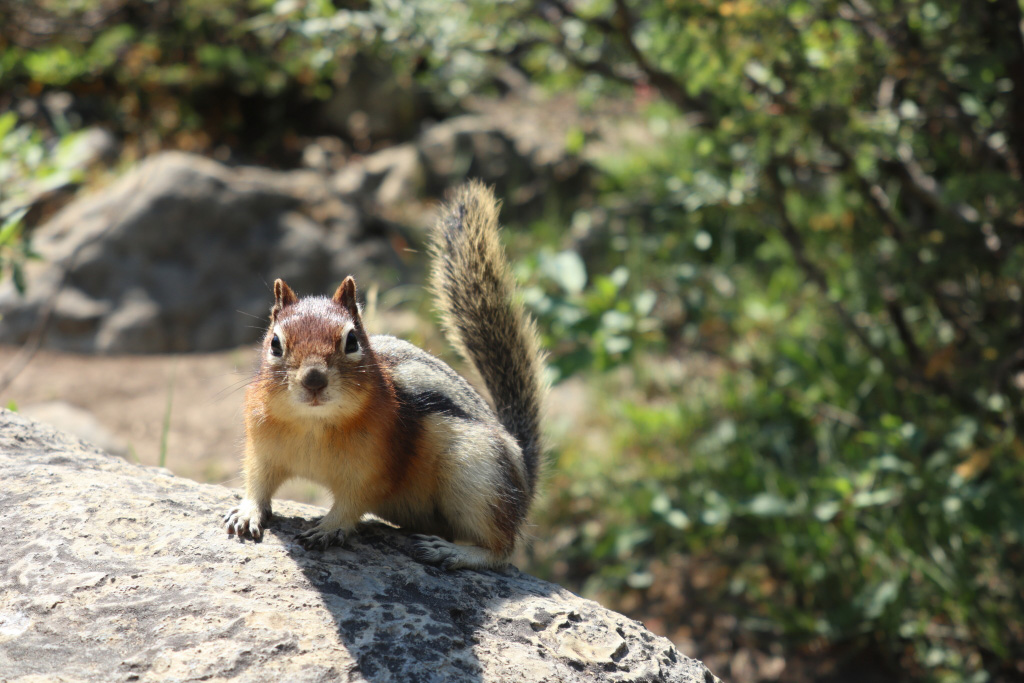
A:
(18, 276)
(11, 227)
(678, 520)
(7, 123)
(768, 505)
(826, 511)
(644, 302)
(880, 597)
(566, 268)
(617, 344)
(865, 499)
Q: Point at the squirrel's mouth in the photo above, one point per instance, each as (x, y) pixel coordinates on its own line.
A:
(310, 399)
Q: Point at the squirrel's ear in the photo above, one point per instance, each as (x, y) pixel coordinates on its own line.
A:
(346, 296)
(283, 296)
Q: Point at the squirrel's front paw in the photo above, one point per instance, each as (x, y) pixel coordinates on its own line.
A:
(248, 519)
(322, 538)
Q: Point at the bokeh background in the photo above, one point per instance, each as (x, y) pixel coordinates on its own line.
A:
(774, 249)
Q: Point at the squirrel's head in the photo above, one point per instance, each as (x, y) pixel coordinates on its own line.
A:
(316, 354)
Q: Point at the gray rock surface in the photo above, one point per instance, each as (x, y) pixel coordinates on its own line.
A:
(177, 253)
(519, 159)
(114, 572)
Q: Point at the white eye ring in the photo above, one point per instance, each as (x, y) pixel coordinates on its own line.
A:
(277, 343)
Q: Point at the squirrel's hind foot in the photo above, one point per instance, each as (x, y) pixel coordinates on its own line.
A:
(449, 556)
(319, 538)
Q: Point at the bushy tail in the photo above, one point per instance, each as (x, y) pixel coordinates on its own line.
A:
(483, 318)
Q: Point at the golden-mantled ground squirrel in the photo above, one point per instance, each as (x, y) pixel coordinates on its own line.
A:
(392, 430)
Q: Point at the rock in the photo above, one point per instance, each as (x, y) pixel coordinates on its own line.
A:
(400, 172)
(113, 571)
(178, 252)
(518, 158)
(509, 152)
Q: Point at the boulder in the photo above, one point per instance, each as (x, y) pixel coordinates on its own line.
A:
(178, 252)
(519, 159)
(116, 572)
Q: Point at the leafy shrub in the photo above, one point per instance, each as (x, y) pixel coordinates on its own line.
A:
(828, 208)
(32, 165)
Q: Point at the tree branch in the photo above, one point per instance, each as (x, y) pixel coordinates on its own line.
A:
(811, 270)
(817, 276)
(663, 81)
(620, 29)
(906, 337)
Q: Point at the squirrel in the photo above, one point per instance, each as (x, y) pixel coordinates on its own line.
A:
(389, 428)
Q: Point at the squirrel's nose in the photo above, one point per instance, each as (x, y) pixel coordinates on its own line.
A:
(314, 379)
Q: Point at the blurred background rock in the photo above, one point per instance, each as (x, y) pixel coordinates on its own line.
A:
(774, 248)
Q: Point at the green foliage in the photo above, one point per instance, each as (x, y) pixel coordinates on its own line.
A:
(31, 166)
(597, 327)
(193, 74)
(254, 46)
(14, 250)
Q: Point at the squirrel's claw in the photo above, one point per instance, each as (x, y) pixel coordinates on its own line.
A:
(246, 520)
(449, 556)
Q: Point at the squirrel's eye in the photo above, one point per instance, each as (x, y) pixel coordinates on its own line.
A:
(351, 343)
(275, 347)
